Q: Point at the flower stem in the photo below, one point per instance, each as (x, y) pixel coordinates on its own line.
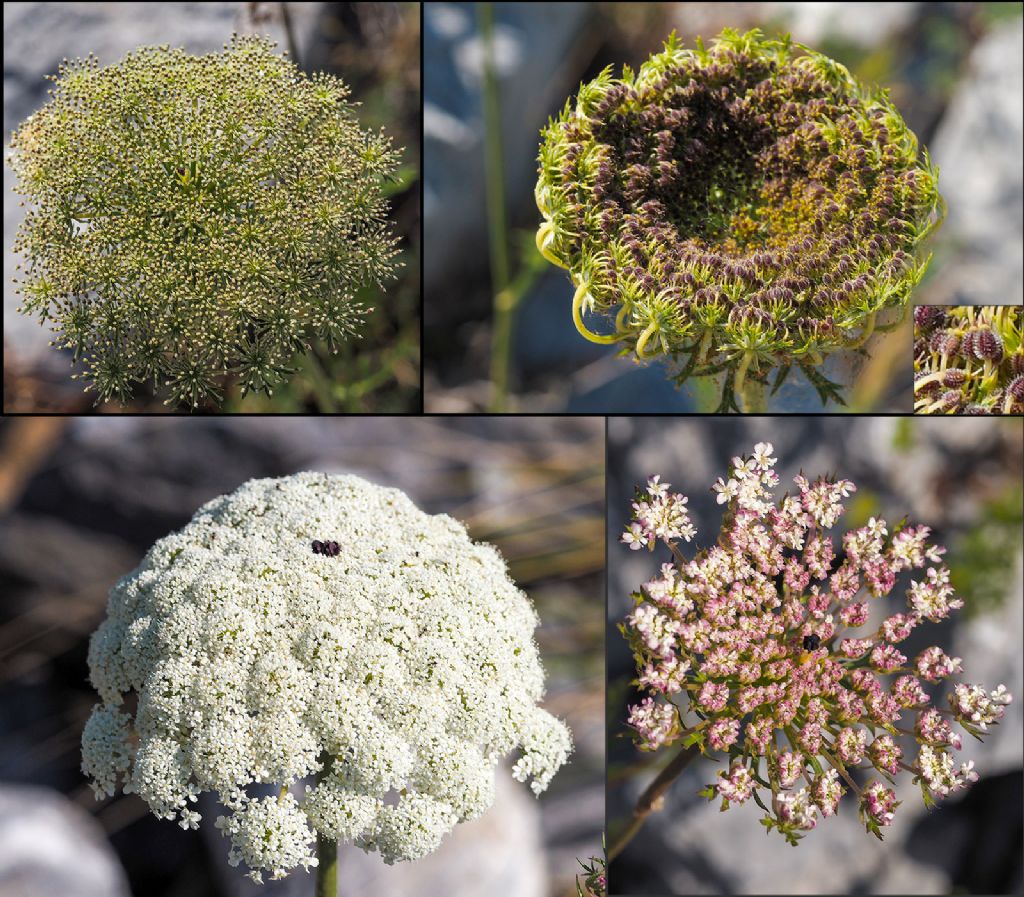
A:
(577, 318)
(289, 33)
(865, 334)
(504, 306)
(653, 798)
(706, 392)
(327, 870)
(754, 399)
(751, 392)
(676, 553)
(641, 343)
(838, 766)
(741, 372)
(497, 228)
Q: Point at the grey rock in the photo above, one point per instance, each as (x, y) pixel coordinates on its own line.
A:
(499, 853)
(978, 149)
(828, 861)
(814, 22)
(569, 823)
(49, 846)
(991, 648)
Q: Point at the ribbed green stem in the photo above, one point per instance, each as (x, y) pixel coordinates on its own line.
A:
(754, 398)
(327, 871)
(326, 848)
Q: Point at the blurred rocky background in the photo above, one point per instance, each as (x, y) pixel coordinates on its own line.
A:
(954, 70)
(82, 499)
(373, 47)
(961, 477)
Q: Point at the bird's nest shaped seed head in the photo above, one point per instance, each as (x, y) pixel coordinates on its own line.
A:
(746, 200)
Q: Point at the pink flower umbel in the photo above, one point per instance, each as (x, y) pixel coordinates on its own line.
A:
(762, 640)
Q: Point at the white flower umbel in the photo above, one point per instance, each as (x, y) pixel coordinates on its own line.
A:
(398, 670)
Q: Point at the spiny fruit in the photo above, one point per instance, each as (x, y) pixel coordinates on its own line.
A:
(969, 359)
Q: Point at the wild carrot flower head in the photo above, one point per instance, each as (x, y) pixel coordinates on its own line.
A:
(969, 359)
(740, 207)
(399, 670)
(193, 215)
(759, 648)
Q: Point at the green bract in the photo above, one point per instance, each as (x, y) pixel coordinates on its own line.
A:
(739, 208)
(197, 215)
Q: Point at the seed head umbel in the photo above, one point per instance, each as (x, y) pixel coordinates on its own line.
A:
(742, 207)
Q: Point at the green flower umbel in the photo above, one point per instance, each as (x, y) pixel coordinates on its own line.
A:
(739, 208)
(197, 215)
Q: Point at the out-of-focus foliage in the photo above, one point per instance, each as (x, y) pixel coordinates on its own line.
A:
(981, 559)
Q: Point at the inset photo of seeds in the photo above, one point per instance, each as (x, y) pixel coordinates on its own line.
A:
(969, 359)
(815, 655)
(280, 656)
(724, 207)
(211, 207)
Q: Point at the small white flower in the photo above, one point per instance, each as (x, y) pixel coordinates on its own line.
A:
(656, 488)
(877, 527)
(726, 490)
(763, 455)
(635, 537)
